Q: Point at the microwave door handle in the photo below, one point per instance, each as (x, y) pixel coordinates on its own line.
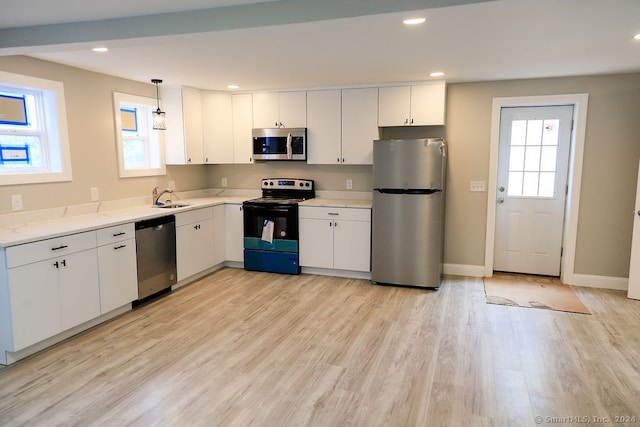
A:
(289, 153)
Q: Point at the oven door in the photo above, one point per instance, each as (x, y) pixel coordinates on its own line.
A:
(272, 247)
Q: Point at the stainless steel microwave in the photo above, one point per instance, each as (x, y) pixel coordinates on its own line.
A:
(280, 144)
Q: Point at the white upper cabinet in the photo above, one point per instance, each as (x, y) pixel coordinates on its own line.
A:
(359, 125)
(419, 105)
(217, 127)
(183, 137)
(242, 105)
(341, 126)
(280, 109)
(324, 121)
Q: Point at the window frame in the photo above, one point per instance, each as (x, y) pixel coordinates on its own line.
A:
(51, 116)
(153, 139)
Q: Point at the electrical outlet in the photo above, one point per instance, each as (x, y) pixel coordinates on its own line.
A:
(172, 185)
(16, 202)
(349, 184)
(477, 186)
(224, 182)
(95, 196)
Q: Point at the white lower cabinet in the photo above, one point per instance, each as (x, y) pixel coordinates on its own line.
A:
(218, 234)
(194, 242)
(335, 238)
(53, 286)
(234, 233)
(117, 266)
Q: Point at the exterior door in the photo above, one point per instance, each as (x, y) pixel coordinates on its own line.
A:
(634, 268)
(531, 188)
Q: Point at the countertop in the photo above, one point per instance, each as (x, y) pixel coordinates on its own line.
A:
(30, 227)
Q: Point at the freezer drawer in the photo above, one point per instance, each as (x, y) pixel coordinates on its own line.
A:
(407, 240)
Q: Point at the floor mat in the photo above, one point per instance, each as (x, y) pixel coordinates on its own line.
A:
(545, 293)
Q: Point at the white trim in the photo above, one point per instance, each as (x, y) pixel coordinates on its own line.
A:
(602, 282)
(574, 181)
(463, 270)
(365, 275)
(54, 126)
(153, 135)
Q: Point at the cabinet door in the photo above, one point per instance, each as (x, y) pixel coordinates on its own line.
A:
(79, 288)
(218, 234)
(242, 126)
(316, 242)
(428, 104)
(174, 137)
(117, 274)
(217, 127)
(194, 248)
(35, 303)
(323, 127)
(292, 109)
(359, 125)
(265, 110)
(352, 245)
(192, 111)
(233, 233)
(393, 109)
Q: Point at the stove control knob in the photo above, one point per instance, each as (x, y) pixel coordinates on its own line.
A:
(271, 183)
(307, 184)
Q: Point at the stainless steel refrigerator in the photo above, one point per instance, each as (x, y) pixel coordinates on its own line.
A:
(408, 211)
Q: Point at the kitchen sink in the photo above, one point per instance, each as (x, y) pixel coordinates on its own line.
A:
(173, 205)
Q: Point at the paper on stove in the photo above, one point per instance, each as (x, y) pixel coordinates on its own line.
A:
(267, 231)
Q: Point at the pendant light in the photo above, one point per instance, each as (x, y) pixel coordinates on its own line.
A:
(159, 120)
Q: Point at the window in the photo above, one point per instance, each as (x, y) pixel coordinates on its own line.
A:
(532, 158)
(140, 148)
(34, 144)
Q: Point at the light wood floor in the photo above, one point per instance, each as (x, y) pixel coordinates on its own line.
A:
(243, 348)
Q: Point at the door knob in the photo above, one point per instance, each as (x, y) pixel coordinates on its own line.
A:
(501, 189)
(501, 200)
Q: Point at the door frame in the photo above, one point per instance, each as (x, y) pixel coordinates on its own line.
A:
(574, 178)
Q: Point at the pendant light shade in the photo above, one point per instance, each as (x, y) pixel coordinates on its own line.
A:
(159, 120)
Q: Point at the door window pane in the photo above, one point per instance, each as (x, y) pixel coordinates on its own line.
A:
(534, 132)
(514, 186)
(518, 132)
(516, 158)
(550, 133)
(530, 184)
(532, 159)
(547, 182)
(548, 159)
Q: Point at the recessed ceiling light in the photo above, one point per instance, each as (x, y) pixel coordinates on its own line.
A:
(414, 21)
(637, 36)
(100, 49)
(437, 74)
(233, 87)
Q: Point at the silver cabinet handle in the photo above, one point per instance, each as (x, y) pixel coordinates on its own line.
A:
(333, 213)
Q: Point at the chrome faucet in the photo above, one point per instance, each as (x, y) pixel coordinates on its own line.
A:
(157, 196)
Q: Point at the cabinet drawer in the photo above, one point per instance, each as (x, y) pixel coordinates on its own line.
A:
(50, 248)
(197, 215)
(114, 234)
(350, 214)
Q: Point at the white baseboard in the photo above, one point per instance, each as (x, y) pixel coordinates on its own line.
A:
(463, 270)
(603, 282)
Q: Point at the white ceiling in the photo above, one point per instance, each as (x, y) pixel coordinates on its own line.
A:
(304, 45)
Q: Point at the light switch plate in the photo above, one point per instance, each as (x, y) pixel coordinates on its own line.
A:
(224, 182)
(477, 186)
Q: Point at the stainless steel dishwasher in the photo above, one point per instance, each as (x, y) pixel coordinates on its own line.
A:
(156, 255)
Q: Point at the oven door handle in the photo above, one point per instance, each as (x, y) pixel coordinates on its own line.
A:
(289, 151)
(267, 210)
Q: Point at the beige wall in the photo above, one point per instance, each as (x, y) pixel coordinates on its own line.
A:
(612, 150)
(89, 101)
